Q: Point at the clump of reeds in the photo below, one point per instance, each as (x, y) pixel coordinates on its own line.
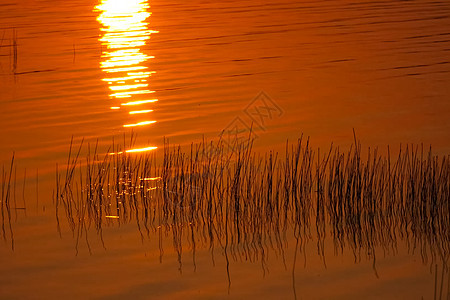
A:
(246, 203)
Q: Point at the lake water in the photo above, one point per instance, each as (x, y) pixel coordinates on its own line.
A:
(211, 70)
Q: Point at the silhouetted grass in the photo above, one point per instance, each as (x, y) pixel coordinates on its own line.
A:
(247, 203)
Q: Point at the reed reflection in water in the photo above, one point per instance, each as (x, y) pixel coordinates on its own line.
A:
(125, 31)
(246, 204)
(8, 194)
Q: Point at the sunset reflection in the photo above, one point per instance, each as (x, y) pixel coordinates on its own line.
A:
(125, 31)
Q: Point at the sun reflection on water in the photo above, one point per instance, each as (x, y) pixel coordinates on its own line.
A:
(124, 32)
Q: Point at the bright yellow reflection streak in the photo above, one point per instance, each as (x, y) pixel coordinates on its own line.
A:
(139, 102)
(141, 149)
(144, 111)
(131, 76)
(127, 87)
(151, 178)
(135, 151)
(139, 124)
(116, 70)
(129, 93)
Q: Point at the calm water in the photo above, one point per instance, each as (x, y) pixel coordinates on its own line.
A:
(204, 69)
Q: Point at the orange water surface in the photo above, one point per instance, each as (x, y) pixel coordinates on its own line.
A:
(193, 70)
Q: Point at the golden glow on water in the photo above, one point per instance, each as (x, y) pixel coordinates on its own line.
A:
(124, 33)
